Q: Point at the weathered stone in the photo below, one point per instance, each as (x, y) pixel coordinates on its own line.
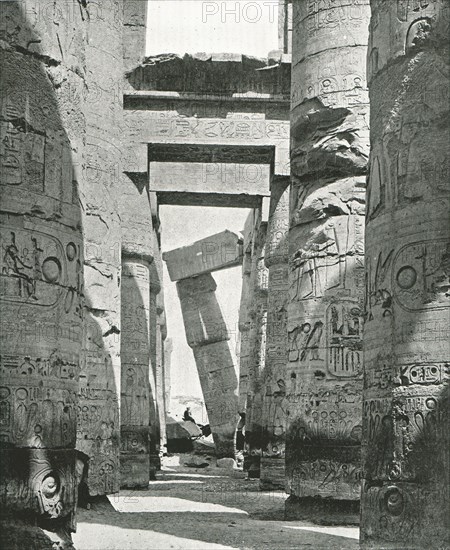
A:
(99, 392)
(273, 384)
(213, 177)
(222, 74)
(253, 337)
(41, 276)
(329, 152)
(134, 32)
(137, 398)
(207, 335)
(405, 498)
(213, 253)
(226, 463)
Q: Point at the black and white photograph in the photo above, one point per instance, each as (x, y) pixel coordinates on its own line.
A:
(224, 275)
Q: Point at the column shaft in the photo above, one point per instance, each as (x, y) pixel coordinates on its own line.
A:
(405, 496)
(274, 402)
(329, 153)
(41, 275)
(136, 364)
(207, 335)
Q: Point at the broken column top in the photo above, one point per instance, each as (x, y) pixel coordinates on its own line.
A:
(213, 253)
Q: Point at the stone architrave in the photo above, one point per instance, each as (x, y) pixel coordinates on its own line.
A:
(98, 431)
(207, 335)
(329, 154)
(405, 494)
(273, 384)
(213, 253)
(41, 275)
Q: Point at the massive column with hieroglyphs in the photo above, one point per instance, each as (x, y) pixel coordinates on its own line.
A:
(41, 270)
(138, 400)
(405, 495)
(274, 403)
(98, 421)
(252, 326)
(329, 155)
(207, 335)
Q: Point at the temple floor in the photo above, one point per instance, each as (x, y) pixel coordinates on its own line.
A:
(201, 508)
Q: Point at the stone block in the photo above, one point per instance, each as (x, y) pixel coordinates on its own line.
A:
(207, 255)
(210, 177)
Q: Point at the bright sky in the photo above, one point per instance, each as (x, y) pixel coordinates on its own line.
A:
(190, 26)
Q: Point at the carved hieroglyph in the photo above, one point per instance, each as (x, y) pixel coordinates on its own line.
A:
(405, 498)
(207, 335)
(273, 384)
(135, 388)
(138, 405)
(98, 426)
(41, 274)
(253, 322)
(329, 153)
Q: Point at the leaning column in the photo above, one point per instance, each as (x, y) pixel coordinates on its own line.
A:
(329, 153)
(405, 496)
(207, 335)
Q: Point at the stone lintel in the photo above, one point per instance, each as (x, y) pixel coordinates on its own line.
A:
(210, 177)
(213, 253)
(224, 200)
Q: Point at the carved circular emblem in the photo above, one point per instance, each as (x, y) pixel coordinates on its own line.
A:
(4, 393)
(51, 270)
(406, 277)
(431, 403)
(21, 393)
(393, 501)
(71, 252)
(50, 485)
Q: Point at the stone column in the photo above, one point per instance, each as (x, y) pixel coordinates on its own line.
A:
(244, 328)
(274, 406)
(138, 404)
(168, 349)
(135, 22)
(160, 369)
(329, 153)
(207, 335)
(257, 314)
(99, 392)
(41, 274)
(405, 495)
(135, 355)
(157, 420)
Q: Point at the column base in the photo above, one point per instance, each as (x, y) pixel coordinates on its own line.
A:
(273, 473)
(323, 511)
(252, 465)
(224, 447)
(134, 471)
(18, 534)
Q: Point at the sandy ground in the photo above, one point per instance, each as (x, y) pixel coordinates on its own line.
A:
(195, 508)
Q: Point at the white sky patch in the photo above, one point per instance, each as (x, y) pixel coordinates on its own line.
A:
(190, 26)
